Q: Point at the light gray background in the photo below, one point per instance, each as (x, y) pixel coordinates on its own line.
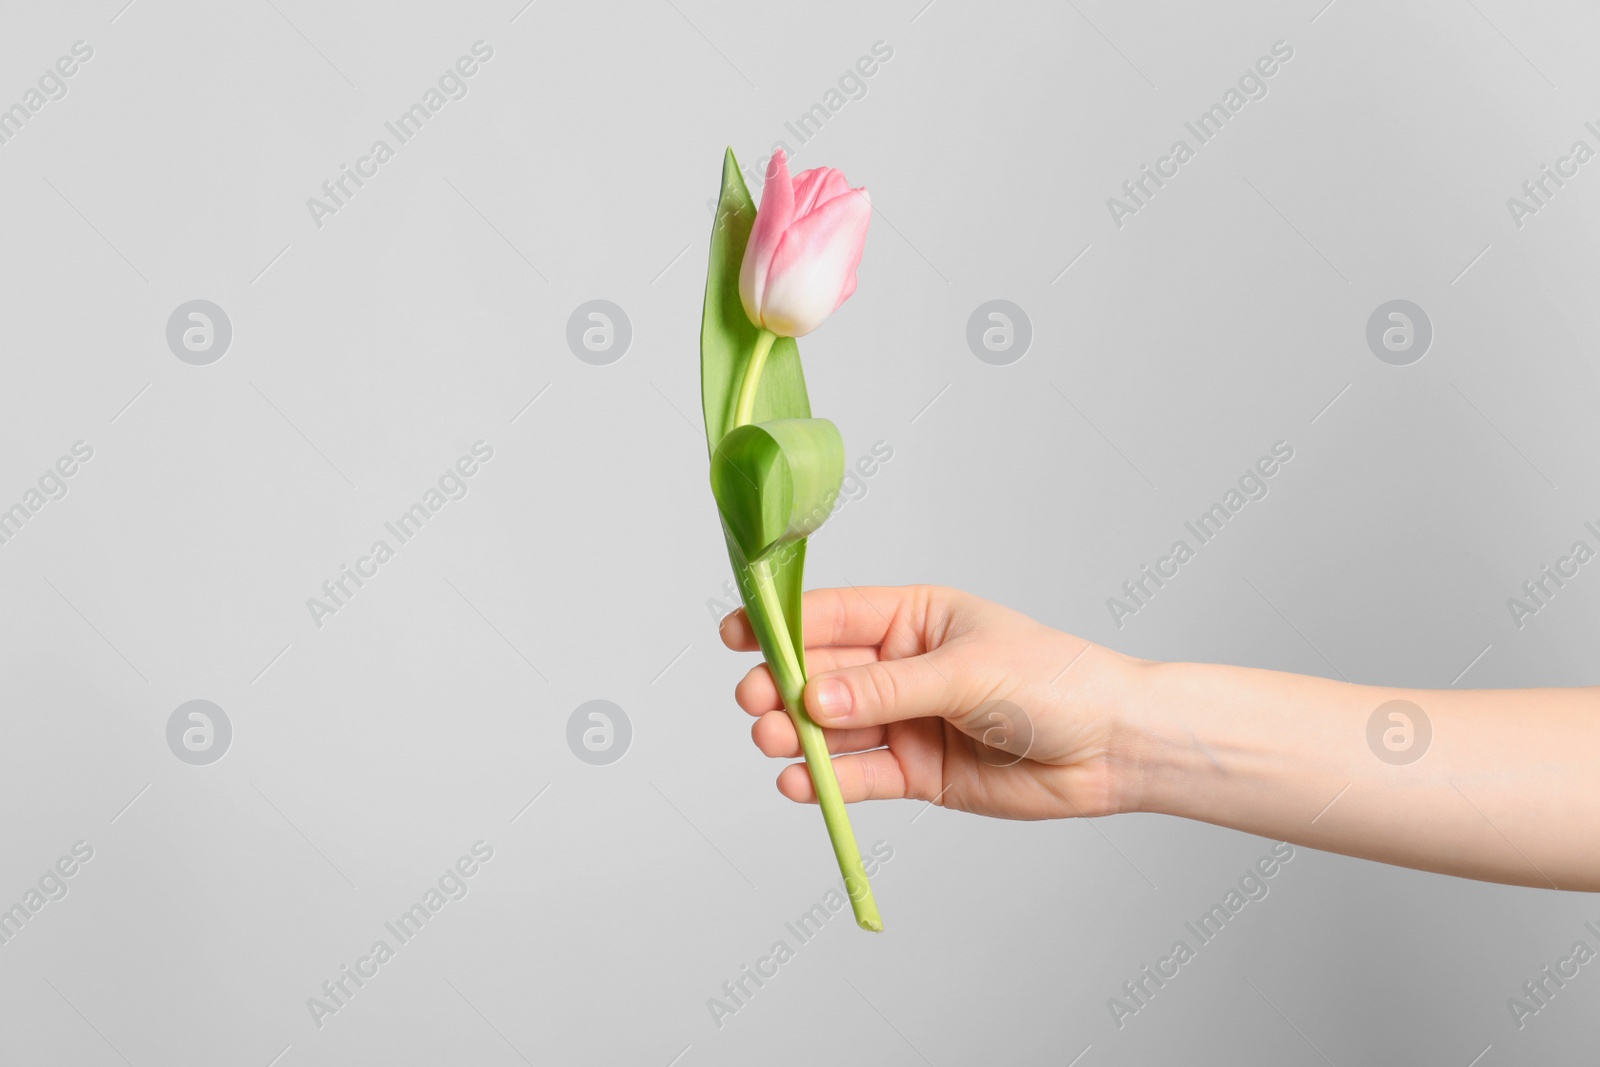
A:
(369, 753)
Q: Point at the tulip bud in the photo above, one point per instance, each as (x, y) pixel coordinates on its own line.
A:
(800, 264)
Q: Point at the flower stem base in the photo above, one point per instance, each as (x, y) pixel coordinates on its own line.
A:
(789, 674)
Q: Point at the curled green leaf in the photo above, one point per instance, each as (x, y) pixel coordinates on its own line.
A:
(776, 482)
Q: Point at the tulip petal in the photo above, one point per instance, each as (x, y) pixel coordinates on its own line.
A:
(814, 269)
(816, 187)
(777, 211)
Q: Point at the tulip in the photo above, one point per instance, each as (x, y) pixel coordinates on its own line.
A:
(792, 263)
(800, 264)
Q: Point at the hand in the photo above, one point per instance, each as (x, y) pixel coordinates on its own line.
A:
(936, 695)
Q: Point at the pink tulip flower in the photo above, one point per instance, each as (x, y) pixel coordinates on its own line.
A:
(800, 264)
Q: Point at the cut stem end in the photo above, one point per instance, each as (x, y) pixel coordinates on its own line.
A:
(787, 670)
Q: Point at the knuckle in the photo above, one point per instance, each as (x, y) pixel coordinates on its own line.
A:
(838, 614)
(880, 691)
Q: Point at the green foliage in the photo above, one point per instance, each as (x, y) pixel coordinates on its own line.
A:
(727, 335)
(775, 481)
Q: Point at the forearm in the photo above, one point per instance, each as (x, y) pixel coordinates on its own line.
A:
(1507, 789)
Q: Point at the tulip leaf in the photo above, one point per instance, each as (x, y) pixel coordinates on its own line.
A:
(775, 482)
(727, 336)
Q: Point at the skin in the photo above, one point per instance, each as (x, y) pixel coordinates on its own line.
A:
(933, 694)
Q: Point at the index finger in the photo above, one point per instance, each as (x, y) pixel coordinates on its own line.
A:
(857, 615)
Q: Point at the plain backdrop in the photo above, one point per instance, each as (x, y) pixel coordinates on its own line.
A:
(376, 340)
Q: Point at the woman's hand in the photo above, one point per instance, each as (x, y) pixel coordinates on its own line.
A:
(932, 694)
(936, 695)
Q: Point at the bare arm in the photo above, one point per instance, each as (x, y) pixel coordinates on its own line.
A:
(1505, 789)
(938, 695)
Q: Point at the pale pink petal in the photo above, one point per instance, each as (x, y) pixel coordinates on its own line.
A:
(773, 218)
(806, 184)
(849, 287)
(816, 187)
(837, 185)
(814, 269)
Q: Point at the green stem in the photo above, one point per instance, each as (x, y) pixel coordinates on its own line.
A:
(791, 678)
(752, 375)
(784, 660)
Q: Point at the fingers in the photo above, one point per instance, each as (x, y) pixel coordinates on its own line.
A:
(885, 691)
(872, 775)
(774, 735)
(757, 693)
(859, 615)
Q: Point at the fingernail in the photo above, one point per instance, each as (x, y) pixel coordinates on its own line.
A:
(831, 698)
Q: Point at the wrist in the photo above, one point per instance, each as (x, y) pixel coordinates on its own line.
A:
(1183, 738)
(1144, 747)
(1112, 697)
(1227, 745)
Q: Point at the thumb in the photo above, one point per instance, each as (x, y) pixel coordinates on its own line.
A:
(887, 691)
